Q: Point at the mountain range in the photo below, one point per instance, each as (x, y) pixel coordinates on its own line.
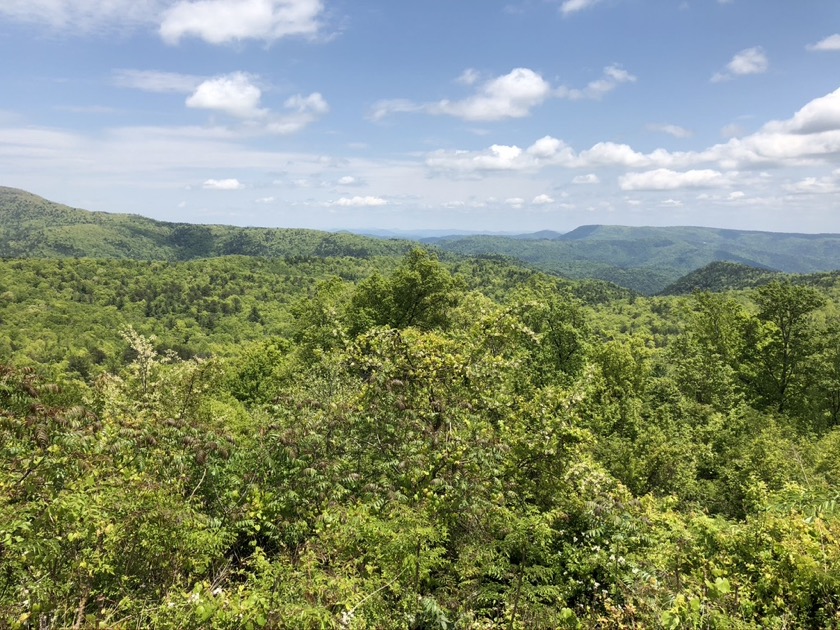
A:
(648, 260)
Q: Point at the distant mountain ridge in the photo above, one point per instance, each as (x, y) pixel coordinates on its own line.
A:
(643, 259)
(648, 259)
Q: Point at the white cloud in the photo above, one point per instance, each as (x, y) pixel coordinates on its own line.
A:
(385, 108)
(222, 184)
(83, 15)
(512, 95)
(500, 157)
(304, 111)
(541, 200)
(223, 21)
(509, 96)
(671, 130)
(314, 104)
(573, 6)
(591, 178)
(820, 115)
(829, 44)
(612, 77)
(360, 202)
(810, 136)
(612, 154)
(347, 180)
(671, 203)
(748, 61)
(515, 202)
(815, 186)
(264, 200)
(546, 147)
(666, 179)
(234, 94)
(155, 81)
(470, 76)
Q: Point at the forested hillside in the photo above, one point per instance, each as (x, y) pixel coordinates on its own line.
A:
(648, 259)
(400, 442)
(34, 227)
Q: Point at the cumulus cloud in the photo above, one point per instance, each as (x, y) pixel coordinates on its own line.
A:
(820, 115)
(666, 179)
(348, 180)
(591, 178)
(264, 200)
(829, 44)
(223, 21)
(234, 94)
(360, 202)
(613, 154)
(810, 136)
(513, 95)
(672, 130)
(500, 157)
(542, 200)
(156, 81)
(238, 95)
(748, 61)
(611, 78)
(222, 184)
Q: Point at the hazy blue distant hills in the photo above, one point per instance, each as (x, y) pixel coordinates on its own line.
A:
(649, 259)
(31, 226)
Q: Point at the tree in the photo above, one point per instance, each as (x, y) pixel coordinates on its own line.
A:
(419, 293)
(781, 339)
(705, 357)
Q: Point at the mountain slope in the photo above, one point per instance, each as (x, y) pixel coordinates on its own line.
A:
(31, 226)
(720, 276)
(647, 259)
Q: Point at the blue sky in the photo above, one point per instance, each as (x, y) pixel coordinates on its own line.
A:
(515, 115)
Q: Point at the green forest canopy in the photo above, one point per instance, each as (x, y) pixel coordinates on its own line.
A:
(400, 442)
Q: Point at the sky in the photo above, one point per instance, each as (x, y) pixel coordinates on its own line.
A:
(476, 115)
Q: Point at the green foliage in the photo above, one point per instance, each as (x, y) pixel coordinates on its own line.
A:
(419, 293)
(373, 442)
(35, 227)
(649, 259)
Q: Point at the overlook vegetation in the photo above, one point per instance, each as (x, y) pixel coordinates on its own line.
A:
(393, 440)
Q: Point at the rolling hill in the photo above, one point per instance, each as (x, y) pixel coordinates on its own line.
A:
(648, 259)
(31, 226)
(644, 259)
